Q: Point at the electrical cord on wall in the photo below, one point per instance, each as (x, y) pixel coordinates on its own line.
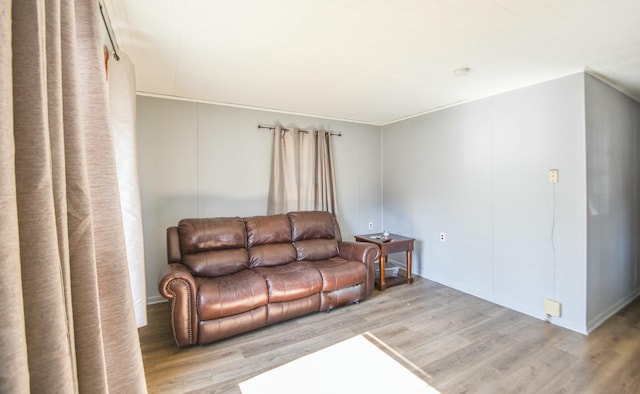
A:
(553, 249)
(553, 243)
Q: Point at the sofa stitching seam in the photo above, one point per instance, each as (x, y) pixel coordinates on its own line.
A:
(173, 309)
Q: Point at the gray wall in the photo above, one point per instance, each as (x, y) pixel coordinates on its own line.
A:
(613, 182)
(201, 160)
(479, 173)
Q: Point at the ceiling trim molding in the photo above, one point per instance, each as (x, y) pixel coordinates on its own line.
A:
(610, 83)
(179, 98)
(470, 100)
(585, 70)
(436, 109)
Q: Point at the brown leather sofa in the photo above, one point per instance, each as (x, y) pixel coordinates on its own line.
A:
(229, 275)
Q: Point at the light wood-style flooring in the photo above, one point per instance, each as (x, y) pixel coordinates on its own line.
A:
(456, 342)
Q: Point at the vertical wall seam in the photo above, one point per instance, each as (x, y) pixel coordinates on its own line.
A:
(493, 198)
(198, 159)
(382, 225)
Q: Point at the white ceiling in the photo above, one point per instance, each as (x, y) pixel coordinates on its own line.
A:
(370, 61)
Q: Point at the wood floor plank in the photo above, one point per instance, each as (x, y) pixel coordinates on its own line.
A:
(456, 342)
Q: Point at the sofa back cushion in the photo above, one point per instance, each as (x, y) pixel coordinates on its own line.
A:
(214, 246)
(316, 249)
(311, 225)
(269, 240)
(314, 234)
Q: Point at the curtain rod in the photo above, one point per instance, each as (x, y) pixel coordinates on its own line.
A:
(110, 33)
(260, 126)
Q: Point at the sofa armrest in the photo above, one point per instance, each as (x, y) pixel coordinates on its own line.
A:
(365, 253)
(178, 285)
(359, 251)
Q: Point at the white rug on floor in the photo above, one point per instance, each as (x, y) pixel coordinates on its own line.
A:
(352, 366)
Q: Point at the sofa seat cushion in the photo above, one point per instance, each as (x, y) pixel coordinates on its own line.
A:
(338, 273)
(230, 294)
(290, 281)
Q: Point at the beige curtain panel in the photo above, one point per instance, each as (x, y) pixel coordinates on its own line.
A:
(303, 173)
(67, 313)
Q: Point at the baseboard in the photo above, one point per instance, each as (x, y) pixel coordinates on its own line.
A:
(570, 325)
(155, 299)
(612, 310)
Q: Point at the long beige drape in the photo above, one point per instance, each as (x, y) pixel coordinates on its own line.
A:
(303, 174)
(67, 314)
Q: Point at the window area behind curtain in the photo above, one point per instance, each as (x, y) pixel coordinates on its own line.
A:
(303, 174)
(122, 100)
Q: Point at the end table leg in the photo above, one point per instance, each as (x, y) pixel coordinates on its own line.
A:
(409, 277)
(383, 284)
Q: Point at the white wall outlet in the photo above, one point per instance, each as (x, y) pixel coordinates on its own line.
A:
(443, 237)
(552, 308)
(370, 225)
(553, 176)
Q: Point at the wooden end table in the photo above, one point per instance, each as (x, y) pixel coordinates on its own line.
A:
(397, 243)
